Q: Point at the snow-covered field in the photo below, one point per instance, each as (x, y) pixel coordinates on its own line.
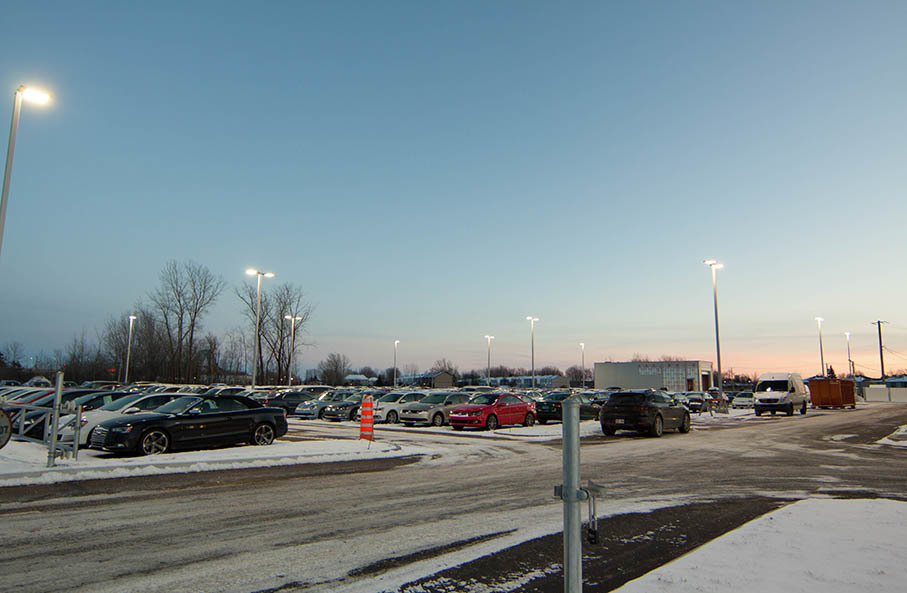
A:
(812, 546)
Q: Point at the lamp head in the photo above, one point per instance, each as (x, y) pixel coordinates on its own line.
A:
(33, 95)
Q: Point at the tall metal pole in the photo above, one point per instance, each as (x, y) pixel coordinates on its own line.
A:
(4, 195)
(573, 548)
(821, 350)
(881, 348)
(714, 265)
(257, 336)
(128, 350)
(583, 365)
(395, 362)
(532, 321)
(488, 367)
(849, 359)
(292, 319)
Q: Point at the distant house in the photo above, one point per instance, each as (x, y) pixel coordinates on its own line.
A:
(440, 379)
(359, 380)
(527, 381)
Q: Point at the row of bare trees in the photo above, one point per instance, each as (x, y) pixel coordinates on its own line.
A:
(170, 342)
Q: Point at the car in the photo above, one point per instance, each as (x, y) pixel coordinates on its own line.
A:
(651, 411)
(288, 400)
(433, 409)
(343, 410)
(388, 406)
(491, 410)
(695, 401)
(192, 421)
(780, 392)
(135, 403)
(314, 408)
(548, 409)
(34, 418)
(743, 400)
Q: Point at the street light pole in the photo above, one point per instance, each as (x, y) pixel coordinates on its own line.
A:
(819, 320)
(254, 272)
(488, 368)
(32, 96)
(395, 362)
(293, 319)
(715, 265)
(582, 347)
(128, 349)
(849, 359)
(532, 321)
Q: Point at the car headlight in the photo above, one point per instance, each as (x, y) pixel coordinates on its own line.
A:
(122, 429)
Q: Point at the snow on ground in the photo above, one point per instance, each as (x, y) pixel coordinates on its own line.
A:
(25, 463)
(812, 546)
(897, 439)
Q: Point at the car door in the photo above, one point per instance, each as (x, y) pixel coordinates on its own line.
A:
(203, 422)
(671, 413)
(509, 410)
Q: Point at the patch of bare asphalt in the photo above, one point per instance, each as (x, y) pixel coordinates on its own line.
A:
(629, 546)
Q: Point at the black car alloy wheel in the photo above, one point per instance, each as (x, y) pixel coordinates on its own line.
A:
(154, 442)
(263, 435)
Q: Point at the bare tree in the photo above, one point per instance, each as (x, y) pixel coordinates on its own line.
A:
(13, 353)
(444, 365)
(277, 343)
(186, 293)
(334, 369)
(549, 370)
(575, 375)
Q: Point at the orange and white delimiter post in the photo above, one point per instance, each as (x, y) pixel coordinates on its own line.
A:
(366, 421)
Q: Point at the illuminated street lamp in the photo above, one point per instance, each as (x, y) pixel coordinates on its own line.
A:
(819, 320)
(32, 96)
(254, 272)
(532, 321)
(714, 265)
(488, 368)
(293, 319)
(396, 342)
(128, 349)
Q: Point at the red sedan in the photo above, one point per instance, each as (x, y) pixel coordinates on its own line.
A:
(490, 410)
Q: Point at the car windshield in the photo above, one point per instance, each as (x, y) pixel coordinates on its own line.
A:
(484, 399)
(179, 405)
(434, 398)
(121, 403)
(772, 386)
(556, 397)
(391, 397)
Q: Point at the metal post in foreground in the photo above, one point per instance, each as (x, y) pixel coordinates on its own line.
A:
(572, 495)
(52, 447)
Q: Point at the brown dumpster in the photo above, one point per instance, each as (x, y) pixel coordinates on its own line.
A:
(832, 393)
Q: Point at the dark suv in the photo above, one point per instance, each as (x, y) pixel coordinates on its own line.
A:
(649, 411)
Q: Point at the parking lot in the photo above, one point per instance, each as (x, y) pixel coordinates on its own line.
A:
(458, 497)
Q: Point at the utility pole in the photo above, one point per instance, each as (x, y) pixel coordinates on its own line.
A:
(881, 355)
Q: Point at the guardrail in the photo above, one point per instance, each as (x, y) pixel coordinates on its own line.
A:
(52, 425)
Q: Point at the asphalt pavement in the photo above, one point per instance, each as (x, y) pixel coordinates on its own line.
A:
(353, 526)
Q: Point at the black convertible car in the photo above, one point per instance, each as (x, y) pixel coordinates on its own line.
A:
(192, 421)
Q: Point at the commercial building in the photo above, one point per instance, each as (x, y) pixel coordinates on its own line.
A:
(673, 375)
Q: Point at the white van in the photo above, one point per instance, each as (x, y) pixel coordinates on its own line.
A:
(780, 392)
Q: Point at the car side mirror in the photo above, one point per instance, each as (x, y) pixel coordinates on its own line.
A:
(132, 410)
(194, 412)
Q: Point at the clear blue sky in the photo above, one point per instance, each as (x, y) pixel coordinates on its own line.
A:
(436, 171)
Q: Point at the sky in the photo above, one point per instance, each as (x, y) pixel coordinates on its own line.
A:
(435, 172)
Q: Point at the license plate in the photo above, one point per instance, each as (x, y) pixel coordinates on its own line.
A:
(618, 421)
